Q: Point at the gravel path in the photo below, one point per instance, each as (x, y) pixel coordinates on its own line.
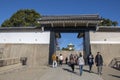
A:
(60, 73)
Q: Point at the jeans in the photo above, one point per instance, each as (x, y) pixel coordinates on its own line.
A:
(90, 68)
(99, 70)
(73, 67)
(54, 64)
(61, 62)
(81, 69)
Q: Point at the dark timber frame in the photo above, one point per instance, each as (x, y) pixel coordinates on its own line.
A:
(80, 24)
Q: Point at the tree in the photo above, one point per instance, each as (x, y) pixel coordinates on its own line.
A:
(108, 22)
(67, 49)
(23, 17)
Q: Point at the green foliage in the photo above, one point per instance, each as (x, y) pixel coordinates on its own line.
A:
(23, 17)
(6, 23)
(108, 22)
(67, 49)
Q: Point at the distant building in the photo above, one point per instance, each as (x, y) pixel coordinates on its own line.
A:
(70, 47)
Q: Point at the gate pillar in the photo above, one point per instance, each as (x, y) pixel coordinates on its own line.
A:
(52, 47)
(86, 45)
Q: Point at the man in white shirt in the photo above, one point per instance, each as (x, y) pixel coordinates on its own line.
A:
(81, 63)
(61, 59)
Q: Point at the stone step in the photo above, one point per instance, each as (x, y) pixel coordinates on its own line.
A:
(8, 68)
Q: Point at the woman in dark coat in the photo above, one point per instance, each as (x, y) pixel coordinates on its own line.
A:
(72, 62)
(90, 61)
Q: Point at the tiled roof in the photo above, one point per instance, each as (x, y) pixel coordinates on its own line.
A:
(70, 17)
(91, 20)
(109, 28)
(19, 29)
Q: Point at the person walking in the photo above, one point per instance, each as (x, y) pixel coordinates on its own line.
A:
(72, 62)
(81, 63)
(66, 60)
(57, 59)
(99, 62)
(61, 59)
(54, 63)
(90, 59)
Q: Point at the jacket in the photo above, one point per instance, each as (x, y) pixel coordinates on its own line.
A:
(99, 60)
(81, 61)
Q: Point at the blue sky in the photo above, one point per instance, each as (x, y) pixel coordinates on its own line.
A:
(105, 8)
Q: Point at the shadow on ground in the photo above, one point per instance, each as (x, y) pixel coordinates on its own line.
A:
(85, 70)
(68, 70)
(114, 75)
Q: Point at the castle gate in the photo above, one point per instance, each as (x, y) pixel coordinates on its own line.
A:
(37, 44)
(80, 24)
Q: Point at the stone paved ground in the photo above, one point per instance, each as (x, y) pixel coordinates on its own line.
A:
(59, 73)
(111, 74)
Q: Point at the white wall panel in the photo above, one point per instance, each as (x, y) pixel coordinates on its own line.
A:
(25, 37)
(105, 37)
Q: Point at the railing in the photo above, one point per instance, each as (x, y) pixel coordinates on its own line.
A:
(115, 63)
(9, 61)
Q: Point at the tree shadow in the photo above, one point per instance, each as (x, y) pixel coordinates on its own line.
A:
(114, 75)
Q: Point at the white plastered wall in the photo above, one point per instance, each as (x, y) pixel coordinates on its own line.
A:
(25, 37)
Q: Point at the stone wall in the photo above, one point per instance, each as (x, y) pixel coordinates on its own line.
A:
(9, 61)
(108, 51)
(37, 54)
